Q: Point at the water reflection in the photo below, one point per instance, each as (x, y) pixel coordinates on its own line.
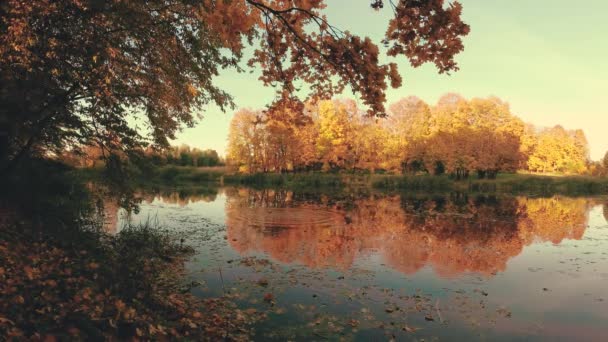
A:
(115, 216)
(497, 266)
(453, 234)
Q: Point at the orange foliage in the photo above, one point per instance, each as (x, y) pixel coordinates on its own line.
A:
(80, 71)
(453, 235)
(456, 136)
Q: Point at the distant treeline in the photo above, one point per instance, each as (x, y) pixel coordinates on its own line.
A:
(183, 155)
(456, 136)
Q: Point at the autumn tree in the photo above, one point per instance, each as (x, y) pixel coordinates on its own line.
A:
(409, 124)
(335, 141)
(244, 141)
(456, 136)
(79, 72)
(371, 149)
(600, 168)
(559, 150)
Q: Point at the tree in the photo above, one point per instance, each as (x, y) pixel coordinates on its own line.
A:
(336, 136)
(370, 145)
(244, 141)
(457, 136)
(410, 124)
(559, 150)
(207, 158)
(79, 72)
(461, 136)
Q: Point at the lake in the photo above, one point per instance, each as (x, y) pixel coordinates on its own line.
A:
(363, 266)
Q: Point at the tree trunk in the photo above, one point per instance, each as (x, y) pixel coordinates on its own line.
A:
(4, 127)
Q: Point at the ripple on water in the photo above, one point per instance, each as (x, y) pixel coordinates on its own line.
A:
(302, 217)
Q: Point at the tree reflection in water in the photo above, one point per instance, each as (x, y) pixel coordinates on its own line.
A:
(453, 234)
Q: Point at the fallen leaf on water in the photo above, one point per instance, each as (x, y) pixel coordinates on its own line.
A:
(409, 329)
(268, 297)
(6, 320)
(504, 312)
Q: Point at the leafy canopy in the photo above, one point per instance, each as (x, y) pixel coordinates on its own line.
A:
(76, 72)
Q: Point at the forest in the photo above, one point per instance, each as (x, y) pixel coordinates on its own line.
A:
(456, 136)
(183, 155)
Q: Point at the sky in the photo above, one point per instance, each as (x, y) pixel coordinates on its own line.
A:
(546, 58)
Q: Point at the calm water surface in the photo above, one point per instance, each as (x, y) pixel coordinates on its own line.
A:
(357, 267)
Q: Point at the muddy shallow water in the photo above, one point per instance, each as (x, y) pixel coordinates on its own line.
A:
(357, 267)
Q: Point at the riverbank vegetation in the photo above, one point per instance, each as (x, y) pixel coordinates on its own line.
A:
(152, 175)
(90, 286)
(527, 184)
(183, 155)
(63, 277)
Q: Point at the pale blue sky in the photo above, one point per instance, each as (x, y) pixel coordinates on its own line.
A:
(545, 57)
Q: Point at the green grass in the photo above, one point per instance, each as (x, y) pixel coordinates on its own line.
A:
(542, 185)
(505, 183)
(166, 175)
(291, 180)
(515, 183)
(188, 174)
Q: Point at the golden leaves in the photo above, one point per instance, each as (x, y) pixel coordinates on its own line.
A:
(192, 91)
(456, 136)
(48, 288)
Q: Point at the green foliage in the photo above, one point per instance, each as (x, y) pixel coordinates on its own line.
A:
(45, 192)
(291, 180)
(504, 183)
(545, 185)
(181, 175)
(182, 156)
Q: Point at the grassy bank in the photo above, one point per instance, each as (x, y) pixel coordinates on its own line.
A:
(505, 183)
(289, 180)
(166, 175)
